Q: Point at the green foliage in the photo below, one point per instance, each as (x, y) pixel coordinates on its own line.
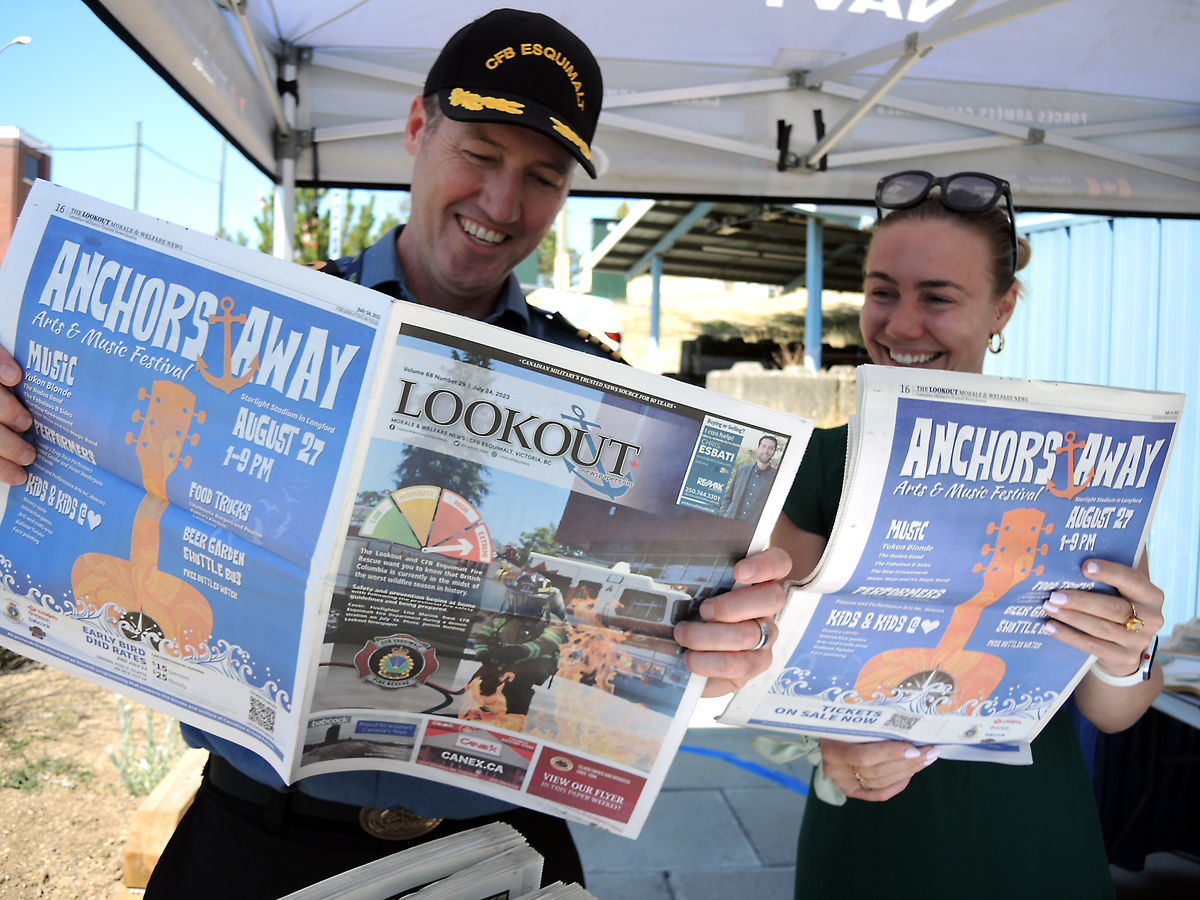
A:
(24, 774)
(419, 466)
(312, 227)
(541, 540)
(546, 251)
(142, 768)
(311, 240)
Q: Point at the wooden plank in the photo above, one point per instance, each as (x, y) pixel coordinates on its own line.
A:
(155, 820)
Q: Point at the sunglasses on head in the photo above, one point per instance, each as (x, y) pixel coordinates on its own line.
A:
(964, 192)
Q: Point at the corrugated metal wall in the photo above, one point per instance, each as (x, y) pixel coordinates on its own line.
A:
(1118, 302)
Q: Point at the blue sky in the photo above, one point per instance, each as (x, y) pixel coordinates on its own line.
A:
(78, 85)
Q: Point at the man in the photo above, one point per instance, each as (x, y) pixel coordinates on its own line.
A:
(751, 483)
(495, 140)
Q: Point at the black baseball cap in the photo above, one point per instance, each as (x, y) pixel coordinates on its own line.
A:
(522, 68)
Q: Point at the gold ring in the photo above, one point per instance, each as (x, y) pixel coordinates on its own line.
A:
(1133, 623)
(862, 784)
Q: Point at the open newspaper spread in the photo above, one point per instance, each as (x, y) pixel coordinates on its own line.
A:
(967, 500)
(348, 533)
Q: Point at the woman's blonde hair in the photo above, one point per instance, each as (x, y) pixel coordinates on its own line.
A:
(993, 226)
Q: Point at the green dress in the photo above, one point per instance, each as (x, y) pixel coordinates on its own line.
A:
(960, 829)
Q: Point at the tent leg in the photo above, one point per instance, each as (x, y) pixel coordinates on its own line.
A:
(814, 268)
(285, 197)
(653, 352)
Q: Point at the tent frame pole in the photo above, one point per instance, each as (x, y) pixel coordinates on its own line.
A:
(814, 271)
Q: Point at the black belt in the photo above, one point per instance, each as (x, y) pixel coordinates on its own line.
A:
(387, 824)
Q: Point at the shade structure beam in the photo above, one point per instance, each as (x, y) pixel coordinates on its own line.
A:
(238, 8)
(1021, 133)
(623, 228)
(931, 37)
(668, 240)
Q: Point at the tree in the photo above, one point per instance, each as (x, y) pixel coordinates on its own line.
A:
(310, 241)
(546, 251)
(541, 540)
(420, 466)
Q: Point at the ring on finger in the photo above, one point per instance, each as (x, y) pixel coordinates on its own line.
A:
(862, 784)
(765, 635)
(1133, 623)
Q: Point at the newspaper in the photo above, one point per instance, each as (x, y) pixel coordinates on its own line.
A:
(967, 500)
(348, 533)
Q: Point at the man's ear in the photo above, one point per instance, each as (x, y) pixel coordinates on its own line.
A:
(415, 126)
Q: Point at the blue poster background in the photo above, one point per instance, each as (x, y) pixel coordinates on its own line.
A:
(251, 556)
(920, 559)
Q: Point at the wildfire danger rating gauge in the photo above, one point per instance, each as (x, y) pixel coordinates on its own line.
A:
(433, 520)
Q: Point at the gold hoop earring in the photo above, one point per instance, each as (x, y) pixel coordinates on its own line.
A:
(997, 349)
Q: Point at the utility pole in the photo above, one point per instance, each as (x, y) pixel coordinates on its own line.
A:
(137, 165)
(221, 194)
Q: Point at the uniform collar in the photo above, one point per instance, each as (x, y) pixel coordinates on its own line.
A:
(381, 272)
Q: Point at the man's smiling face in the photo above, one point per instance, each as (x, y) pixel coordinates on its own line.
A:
(483, 197)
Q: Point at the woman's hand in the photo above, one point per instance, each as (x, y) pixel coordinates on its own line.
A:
(1096, 623)
(884, 767)
(721, 646)
(15, 420)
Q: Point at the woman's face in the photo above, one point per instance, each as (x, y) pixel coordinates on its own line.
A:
(927, 297)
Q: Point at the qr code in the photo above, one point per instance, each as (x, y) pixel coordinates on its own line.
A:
(262, 714)
(901, 723)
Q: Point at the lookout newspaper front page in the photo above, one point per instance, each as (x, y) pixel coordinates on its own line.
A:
(967, 500)
(352, 533)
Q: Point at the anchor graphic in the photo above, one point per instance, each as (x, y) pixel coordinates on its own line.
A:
(226, 382)
(612, 491)
(1070, 491)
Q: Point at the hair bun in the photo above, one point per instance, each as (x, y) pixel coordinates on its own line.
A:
(1024, 251)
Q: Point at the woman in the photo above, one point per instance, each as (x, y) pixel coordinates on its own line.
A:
(939, 286)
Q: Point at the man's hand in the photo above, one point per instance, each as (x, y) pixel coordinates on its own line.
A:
(875, 771)
(15, 420)
(720, 645)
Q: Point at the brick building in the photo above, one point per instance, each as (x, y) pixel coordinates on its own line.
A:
(23, 159)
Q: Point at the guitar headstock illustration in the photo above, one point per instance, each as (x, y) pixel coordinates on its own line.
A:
(165, 430)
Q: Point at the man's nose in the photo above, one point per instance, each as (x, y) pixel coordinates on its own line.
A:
(500, 198)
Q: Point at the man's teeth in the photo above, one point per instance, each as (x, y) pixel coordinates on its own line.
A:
(479, 232)
(914, 359)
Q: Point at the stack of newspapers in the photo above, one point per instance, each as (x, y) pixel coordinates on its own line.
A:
(492, 861)
(967, 500)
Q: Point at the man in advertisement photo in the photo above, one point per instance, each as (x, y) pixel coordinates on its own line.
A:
(747, 492)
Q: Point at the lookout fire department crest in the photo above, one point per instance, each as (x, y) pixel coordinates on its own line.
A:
(396, 661)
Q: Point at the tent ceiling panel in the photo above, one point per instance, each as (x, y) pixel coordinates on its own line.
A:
(1003, 99)
(760, 243)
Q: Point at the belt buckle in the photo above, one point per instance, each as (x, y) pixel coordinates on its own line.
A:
(395, 824)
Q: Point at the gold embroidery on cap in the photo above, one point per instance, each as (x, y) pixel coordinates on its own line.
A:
(571, 136)
(471, 100)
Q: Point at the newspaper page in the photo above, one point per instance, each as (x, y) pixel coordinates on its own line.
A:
(968, 499)
(195, 409)
(529, 526)
(348, 533)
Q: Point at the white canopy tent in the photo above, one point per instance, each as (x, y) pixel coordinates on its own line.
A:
(1084, 105)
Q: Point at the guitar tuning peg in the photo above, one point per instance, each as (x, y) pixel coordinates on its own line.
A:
(1044, 549)
(1049, 529)
(1039, 570)
(978, 567)
(142, 394)
(137, 416)
(194, 439)
(200, 414)
(992, 528)
(129, 438)
(987, 548)
(185, 461)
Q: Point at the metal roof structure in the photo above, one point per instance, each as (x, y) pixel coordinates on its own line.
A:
(759, 243)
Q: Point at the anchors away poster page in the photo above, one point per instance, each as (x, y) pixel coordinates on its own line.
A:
(926, 623)
(192, 424)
